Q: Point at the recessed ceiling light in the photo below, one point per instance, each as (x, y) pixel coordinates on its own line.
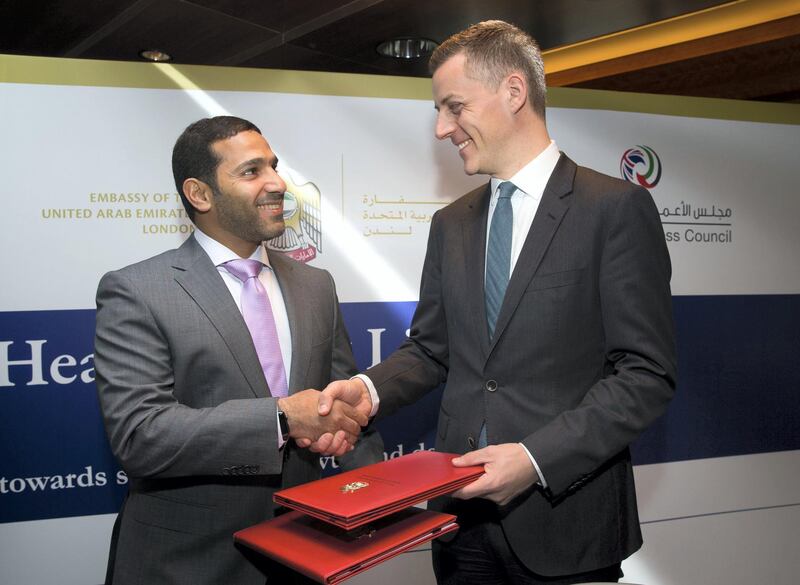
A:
(406, 48)
(155, 55)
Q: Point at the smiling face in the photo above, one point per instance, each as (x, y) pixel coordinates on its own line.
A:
(247, 206)
(477, 119)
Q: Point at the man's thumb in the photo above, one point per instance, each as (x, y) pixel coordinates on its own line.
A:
(325, 403)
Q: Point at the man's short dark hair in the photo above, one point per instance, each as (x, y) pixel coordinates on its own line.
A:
(493, 49)
(193, 157)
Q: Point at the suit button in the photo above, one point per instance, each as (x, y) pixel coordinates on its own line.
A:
(226, 471)
(471, 442)
(491, 385)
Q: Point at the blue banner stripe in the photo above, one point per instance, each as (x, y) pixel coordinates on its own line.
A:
(737, 380)
(737, 394)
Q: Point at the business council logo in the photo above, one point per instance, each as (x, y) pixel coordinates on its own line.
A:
(641, 165)
(302, 238)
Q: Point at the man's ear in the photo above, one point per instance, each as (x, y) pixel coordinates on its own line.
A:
(517, 91)
(198, 194)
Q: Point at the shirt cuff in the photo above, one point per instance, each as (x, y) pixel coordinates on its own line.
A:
(373, 394)
(542, 480)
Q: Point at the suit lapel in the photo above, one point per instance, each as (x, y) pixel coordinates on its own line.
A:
(551, 210)
(295, 298)
(473, 229)
(196, 274)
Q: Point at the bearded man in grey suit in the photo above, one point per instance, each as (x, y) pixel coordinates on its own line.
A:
(186, 403)
(551, 329)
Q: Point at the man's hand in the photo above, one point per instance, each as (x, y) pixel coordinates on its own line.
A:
(340, 427)
(351, 392)
(509, 472)
(354, 392)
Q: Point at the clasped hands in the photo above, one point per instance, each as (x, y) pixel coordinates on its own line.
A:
(330, 421)
(344, 407)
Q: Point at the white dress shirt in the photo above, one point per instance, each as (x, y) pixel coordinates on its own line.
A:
(219, 255)
(530, 181)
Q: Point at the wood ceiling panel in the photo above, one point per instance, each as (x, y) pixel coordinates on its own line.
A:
(765, 71)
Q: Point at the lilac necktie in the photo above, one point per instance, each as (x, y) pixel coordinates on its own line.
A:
(257, 313)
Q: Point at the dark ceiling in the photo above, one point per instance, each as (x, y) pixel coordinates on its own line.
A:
(342, 36)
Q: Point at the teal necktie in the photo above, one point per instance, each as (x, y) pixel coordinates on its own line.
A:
(498, 253)
(498, 264)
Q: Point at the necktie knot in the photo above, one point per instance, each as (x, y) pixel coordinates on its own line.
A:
(244, 269)
(506, 189)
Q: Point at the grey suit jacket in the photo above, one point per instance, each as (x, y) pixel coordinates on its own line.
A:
(582, 359)
(189, 416)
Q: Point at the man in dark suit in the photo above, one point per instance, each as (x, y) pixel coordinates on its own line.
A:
(545, 308)
(183, 388)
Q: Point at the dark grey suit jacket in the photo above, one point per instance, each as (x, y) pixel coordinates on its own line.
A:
(189, 415)
(582, 359)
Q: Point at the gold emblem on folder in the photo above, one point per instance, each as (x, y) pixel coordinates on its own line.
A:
(349, 488)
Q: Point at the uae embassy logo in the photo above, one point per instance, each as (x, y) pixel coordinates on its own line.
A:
(302, 238)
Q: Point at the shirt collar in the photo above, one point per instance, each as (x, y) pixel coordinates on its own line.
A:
(220, 254)
(532, 178)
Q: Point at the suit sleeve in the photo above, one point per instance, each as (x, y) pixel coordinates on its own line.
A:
(151, 433)
(421, 363)
(640, 375)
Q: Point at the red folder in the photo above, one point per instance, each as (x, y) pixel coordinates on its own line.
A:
(353, 498)
(329, 554)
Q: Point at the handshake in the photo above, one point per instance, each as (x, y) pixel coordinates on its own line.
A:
(330, 421)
